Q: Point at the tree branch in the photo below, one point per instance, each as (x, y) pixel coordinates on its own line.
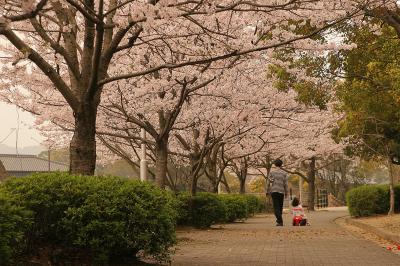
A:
(46, 68)
(30, 14)
(57, 47)
(222, 57)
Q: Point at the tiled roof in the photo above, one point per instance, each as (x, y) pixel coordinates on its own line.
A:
(30, 163)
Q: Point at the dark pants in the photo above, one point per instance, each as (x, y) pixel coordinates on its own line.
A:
(277, 202)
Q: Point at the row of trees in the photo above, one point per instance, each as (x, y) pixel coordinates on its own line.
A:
(81, 49)
(191, 73)
(369, 97)
(365, 83)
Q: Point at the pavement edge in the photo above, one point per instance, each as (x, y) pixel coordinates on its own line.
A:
(387, 236)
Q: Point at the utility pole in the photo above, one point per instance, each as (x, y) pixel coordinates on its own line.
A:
(143, 162)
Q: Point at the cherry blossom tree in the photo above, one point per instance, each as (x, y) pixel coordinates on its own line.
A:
(314, 143)
(155, 109)
(74, 50)
(299, 134)
(199, 109)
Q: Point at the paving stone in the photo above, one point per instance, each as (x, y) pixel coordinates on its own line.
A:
(258, 242)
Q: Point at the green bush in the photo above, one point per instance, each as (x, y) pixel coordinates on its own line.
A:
(370, 199)
(397, 198)
(237, 207)
(201, 210)
(255, 204)
(182, 208)
(14, 221)
(206, 209)
(108, 217)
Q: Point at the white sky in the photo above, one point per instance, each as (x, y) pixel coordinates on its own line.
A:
(8, 122)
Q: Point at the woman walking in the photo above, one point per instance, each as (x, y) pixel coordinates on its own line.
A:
(278, 188)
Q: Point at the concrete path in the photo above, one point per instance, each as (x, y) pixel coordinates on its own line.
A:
(258, 242)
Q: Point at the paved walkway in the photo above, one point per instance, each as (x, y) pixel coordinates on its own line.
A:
(258, 242)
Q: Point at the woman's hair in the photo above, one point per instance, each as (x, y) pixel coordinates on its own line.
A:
(295, 202)
(278, 162)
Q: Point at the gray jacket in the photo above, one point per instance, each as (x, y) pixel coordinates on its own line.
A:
(278, 182)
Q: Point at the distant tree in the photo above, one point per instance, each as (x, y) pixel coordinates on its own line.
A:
(257, 185)
(58, 155)
(368, 96)
(118, 168)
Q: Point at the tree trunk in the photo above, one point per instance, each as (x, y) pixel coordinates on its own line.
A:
(341, 195)
(243, 175)
(225, 182)
(242, 181)
(212, 172)
(83, 143)
(391, 210)
(3, 173)
(391, 189)
(161, 151)
(219, 179)
(193, 185)
(215, 188)
(311, 185)
(194, 170)
(213, 176)
(311, 195)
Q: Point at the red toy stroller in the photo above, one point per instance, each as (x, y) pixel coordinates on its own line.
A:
(299, 221)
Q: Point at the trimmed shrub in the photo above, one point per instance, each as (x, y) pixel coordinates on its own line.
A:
(202, 210)
(206, 209)
(182, 208)
(237, 207)
(110, 218)
(14, 221)
(370, 199)
(397, 198)
(255, 204)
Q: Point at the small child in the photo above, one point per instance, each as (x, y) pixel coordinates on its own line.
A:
(299, 217)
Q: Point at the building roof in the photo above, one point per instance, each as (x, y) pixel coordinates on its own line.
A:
(30, 163)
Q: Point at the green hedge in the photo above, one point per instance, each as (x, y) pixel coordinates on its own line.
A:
(256, 204)
(206, 209)
(111, 218)
(371, 199)
(237, 207)
(397, 198)
(103, 219)
(14, 221)
(201, 210)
